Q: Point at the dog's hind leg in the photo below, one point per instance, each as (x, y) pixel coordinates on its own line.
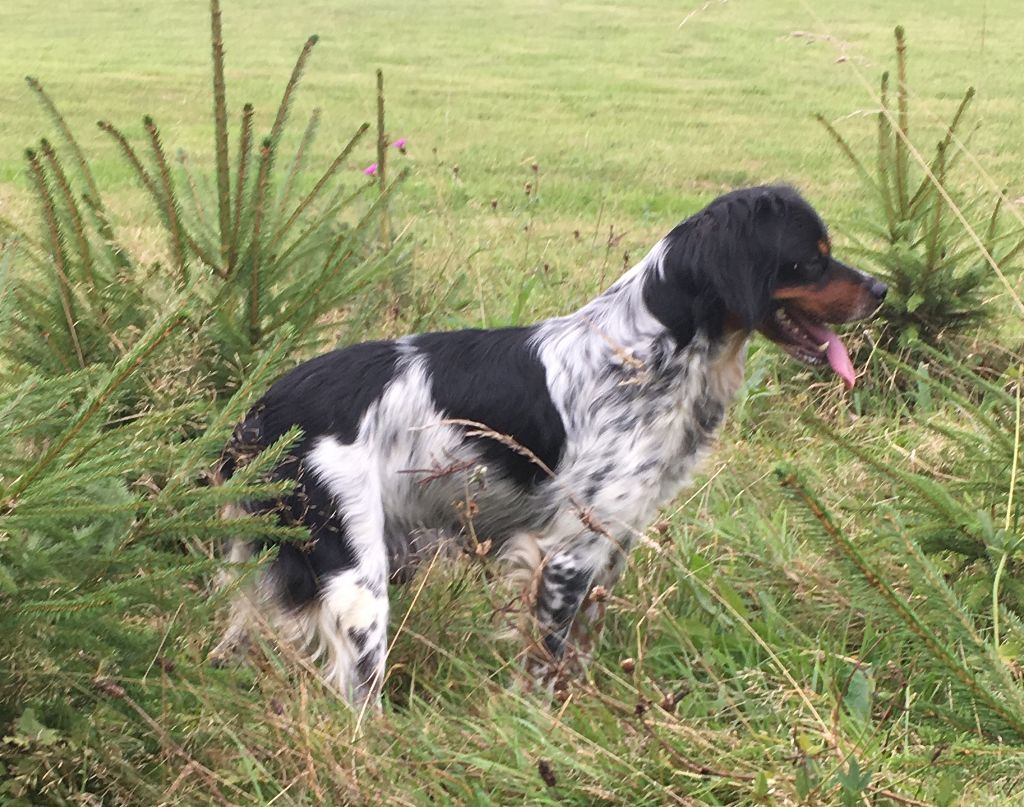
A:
(353, 601)
(352, 628)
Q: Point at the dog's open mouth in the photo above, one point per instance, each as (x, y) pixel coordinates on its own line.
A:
(809, 340)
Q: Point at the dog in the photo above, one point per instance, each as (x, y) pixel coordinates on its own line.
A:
(568, 434)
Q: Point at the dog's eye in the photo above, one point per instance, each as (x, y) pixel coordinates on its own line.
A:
(801, 272)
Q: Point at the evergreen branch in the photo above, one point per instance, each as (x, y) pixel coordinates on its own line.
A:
(231, 491)
(220, 116)
(945, 143)
(186, 466)
(925, 489)
(45, 511)
(1004, 550)
(204, 230)
(61, 180)
(166, 209)
(133, 160)
(996, 429)
(1013, 252)
(298, 161)
(885, 158)
(29, 315)
(115, 255)
(304, 244)
(244, 154)
(193, 186)
(934, 226)
(35, 248)
(110, 592)
(93, 295)
(934, 578)
(848, 151)
(266, 155)
(789, 479)
(170, 202)
(64, 289)
(884, 178)
(332, 169)
(333, 263)
(382, 156)
(68, 605)
(117, 375)
(968, 374)
(6, 285)
(69, 139)
(902, 155)
(286, 98)
(264, 527)
(991, 233)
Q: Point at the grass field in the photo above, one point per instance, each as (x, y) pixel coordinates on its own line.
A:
(750, 656)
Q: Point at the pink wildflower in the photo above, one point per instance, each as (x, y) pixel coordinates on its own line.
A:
(400, 144)
(371, 170)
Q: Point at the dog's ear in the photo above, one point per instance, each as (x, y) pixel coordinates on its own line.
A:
(735, 250)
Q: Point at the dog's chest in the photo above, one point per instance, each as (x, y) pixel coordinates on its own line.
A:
(647, 433)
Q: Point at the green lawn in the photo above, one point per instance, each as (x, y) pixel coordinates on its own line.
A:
(750, 657)
(644, 109)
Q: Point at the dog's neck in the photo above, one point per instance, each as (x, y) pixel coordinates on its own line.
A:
(623, 317)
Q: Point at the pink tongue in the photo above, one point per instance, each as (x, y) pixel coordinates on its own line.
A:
(837, 355)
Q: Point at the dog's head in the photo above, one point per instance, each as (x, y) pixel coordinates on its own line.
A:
(762, 257)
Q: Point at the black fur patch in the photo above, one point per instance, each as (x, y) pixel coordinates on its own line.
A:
(496, 378)
(328, 394)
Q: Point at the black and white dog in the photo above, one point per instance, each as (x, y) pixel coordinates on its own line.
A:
(570, 433)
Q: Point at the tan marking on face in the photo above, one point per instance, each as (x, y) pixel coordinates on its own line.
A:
(824, 247)
(839, 301)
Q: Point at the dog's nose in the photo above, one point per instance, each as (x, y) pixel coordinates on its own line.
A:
(878, 289)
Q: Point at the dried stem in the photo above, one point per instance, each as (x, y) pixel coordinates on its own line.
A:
(382, 158)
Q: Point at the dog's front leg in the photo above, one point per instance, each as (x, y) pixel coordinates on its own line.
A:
(569, 613)
(565, 582)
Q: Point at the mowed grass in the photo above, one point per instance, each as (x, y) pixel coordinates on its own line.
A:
(744, 660)
(635, 113)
